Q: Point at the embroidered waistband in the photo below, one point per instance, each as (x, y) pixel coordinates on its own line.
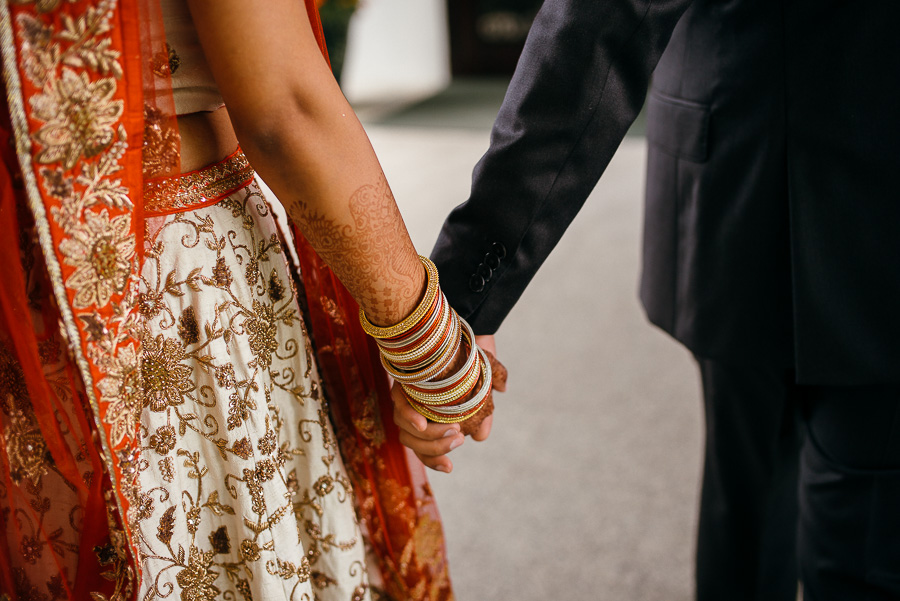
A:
(197, 188)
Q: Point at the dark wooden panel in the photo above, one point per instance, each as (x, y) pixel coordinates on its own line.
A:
(486, 36)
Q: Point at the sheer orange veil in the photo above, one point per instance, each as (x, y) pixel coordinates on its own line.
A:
(89, 120)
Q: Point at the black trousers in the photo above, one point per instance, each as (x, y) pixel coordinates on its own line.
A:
(746, 539)
(756, 534)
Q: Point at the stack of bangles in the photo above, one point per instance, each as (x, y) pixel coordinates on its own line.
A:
(418, 349)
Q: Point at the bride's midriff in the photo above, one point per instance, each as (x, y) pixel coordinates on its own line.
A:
(206, 138)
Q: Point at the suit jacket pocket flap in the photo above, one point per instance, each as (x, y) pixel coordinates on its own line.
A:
(678, 127)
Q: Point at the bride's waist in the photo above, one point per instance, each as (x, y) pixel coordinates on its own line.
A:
(206, 138)
(212, 167)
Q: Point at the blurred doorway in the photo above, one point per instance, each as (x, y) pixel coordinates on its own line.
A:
(487, 36)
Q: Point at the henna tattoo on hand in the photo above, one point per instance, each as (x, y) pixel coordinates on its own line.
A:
(373, 257)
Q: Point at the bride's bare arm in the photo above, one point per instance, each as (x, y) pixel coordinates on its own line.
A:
(300, 134)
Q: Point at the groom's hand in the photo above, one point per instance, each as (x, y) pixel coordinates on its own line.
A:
(432, 442)
(498, 382)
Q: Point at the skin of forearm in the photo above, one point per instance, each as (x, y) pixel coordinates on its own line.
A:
(300, 134)
(322, 167)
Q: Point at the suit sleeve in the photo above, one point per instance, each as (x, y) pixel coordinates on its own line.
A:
(579, 84)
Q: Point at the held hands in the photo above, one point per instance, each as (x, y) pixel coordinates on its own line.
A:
(432, 441)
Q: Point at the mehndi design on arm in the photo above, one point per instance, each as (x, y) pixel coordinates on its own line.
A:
(373, 257)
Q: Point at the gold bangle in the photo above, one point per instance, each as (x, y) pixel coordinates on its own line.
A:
(443, 419)
(414, 317)
(426, 348)
(445, 400)
(459, 390)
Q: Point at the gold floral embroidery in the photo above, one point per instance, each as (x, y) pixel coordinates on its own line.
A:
(42, 6)
(121, 388)
(73, 63)
(174, 59)
(183, 191)
(42, 503)
(79, 42)
(222, 274)
(165, 62)
(164, 440)
(262, 327)
(25, 448)
(78, 114)
(219, 540)
(250, 550)
(197, 580)
(369, 421)
(49, 351)
(166, 379)
(276, 287)
(429, 542)
(161, 150)
(13, 392)
(225, 376)
(115, 556)
(101, 252)
(188, 328)
(166, 526)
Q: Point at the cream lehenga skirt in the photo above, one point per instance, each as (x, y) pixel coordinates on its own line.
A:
(244, 494)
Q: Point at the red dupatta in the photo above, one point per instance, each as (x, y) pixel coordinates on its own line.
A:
(90, 118)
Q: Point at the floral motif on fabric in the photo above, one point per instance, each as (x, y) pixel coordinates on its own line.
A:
(244, 492)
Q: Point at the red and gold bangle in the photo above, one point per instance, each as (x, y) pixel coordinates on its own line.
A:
(432, 370)
(472, 357)
(435, 352)
(425, 348)
(445, 419)
(450, 414)
(456, 385)
(407, 324)
(459, 390)
(469, 377)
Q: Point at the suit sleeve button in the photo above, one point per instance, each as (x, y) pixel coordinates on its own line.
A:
(499, 250)
(492, 260)
(476, 283)
(485, 272)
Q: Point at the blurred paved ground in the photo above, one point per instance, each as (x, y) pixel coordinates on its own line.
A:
(588, 485)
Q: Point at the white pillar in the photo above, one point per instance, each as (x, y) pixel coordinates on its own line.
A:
(397, 50)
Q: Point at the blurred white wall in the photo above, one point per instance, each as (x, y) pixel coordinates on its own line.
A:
(397, 50)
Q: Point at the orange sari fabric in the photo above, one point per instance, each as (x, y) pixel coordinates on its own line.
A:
(87, 126)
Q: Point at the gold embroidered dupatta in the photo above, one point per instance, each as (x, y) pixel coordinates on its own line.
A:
(90, 120)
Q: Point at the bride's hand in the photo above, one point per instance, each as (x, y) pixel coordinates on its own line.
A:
(431, 442)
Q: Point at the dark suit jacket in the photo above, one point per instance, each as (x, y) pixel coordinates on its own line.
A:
(772, 227)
